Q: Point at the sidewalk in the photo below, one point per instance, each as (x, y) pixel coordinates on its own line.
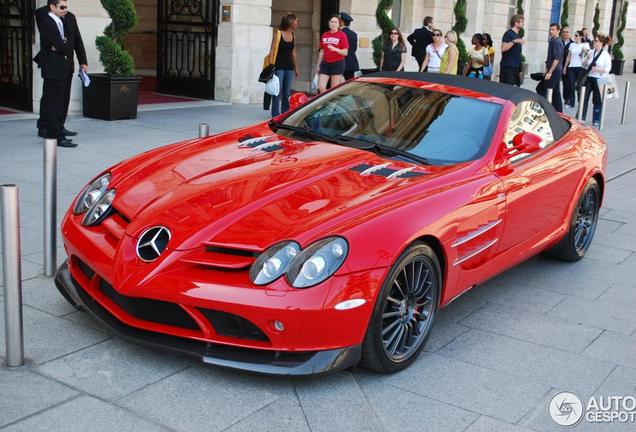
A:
(496, 357)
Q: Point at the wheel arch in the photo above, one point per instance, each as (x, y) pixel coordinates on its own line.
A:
(437, 247)
(600, 179)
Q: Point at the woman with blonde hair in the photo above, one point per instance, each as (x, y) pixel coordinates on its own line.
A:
(451, 55)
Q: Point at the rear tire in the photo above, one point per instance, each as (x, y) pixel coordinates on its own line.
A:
(404, 311)
(582, 226)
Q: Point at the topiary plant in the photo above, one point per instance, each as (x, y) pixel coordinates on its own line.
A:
(617, 50)
(385, 24)
(460, 26)
(564, 14)
(521, 31)
(596, 20)
(116, 60)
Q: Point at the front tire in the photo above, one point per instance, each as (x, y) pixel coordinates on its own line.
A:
(404, 311)
(582, 225)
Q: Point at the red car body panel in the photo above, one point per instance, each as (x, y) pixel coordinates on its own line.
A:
(482, 217)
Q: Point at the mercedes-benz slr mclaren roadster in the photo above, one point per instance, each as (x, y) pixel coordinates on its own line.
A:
(332, 234)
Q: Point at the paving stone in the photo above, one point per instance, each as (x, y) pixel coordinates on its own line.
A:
(24, 393)
(608, 225)
(532, 327)
(585, 279)
(463, 306)
(444, 331)
(85, 414)
(468, 386)
(607, 254)
(41, 293)
(112, 369)
(597, 313)
(204, 398)
(336, 403)
(614, 347)
(400, 410)
(620, 295)
(615, 239)
(520, 296)
(47, 337)
(487, 424)
(531, 361)
(283, 415)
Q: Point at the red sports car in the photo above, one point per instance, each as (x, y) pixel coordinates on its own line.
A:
(332, 234)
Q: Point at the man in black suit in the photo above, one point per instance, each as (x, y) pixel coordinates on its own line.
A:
(48, 19)
(420, 39)
(351, 61)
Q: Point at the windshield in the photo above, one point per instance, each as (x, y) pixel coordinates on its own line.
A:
(439, 127)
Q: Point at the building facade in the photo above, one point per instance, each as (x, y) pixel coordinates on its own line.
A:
(213, 49)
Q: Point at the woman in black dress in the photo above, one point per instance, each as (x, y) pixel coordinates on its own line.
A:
(394, 52)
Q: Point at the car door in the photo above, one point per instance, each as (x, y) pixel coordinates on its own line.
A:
(538, 186)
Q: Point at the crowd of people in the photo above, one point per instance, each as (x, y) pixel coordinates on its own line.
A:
(572, 62)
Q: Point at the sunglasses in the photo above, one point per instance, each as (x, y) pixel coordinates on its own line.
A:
(394, 33)
(437, 34)
(62, 7)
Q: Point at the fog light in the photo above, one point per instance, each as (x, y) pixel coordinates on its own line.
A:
(277, 325)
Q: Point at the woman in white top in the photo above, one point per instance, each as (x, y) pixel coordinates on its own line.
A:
(434, 53)
(573, 67)
(601, 63)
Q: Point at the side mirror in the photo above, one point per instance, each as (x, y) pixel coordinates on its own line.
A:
(297, 99)
(525, 142)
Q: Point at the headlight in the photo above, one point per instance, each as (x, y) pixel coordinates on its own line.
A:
(273, 263)
(100, 209)
(91, 194)
(316, 263)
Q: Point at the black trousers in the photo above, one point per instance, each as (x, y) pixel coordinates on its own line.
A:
(67, 97)
(592, 88)
(52, 106)
(509, 75)
(554, 83)
(573, 75)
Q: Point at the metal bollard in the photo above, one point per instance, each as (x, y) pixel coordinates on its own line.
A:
(14, 341)
(548, 94)
(625, 101)
(601, 125)
(579, 111)
(204, 130)
(50, 206)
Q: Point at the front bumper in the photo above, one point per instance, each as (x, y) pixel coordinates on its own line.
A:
(253, 360)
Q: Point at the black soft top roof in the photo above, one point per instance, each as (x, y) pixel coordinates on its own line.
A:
(559, 125)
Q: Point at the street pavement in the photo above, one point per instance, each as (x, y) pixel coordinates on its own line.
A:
(496, 356)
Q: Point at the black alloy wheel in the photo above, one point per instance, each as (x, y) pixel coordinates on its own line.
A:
(582, 225)
(404, 312)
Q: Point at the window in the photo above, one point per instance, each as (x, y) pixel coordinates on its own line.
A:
(422, 122)
(529, 116)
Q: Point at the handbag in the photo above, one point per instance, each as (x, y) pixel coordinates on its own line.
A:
(267, 61)
(488, 67)
(582, 80)
(272, 86)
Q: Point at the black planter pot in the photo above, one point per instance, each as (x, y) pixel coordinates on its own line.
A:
(617, 67)
(111, 98)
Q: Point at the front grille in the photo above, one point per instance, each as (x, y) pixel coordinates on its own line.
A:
(230, 325)
(156, 311)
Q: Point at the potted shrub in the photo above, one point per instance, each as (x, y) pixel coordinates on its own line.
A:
(524, 66)
(460, 27)
(385, 24)
(114, 95)
(618, 61)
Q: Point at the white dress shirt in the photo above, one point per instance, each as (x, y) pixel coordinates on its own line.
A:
(60, 24)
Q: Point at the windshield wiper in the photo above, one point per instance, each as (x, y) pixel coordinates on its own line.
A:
(313, 134)
(385, 149)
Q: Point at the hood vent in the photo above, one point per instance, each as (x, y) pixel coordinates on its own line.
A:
(263, 143)
(383, 170)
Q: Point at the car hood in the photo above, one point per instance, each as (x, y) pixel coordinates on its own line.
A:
(250, 192)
